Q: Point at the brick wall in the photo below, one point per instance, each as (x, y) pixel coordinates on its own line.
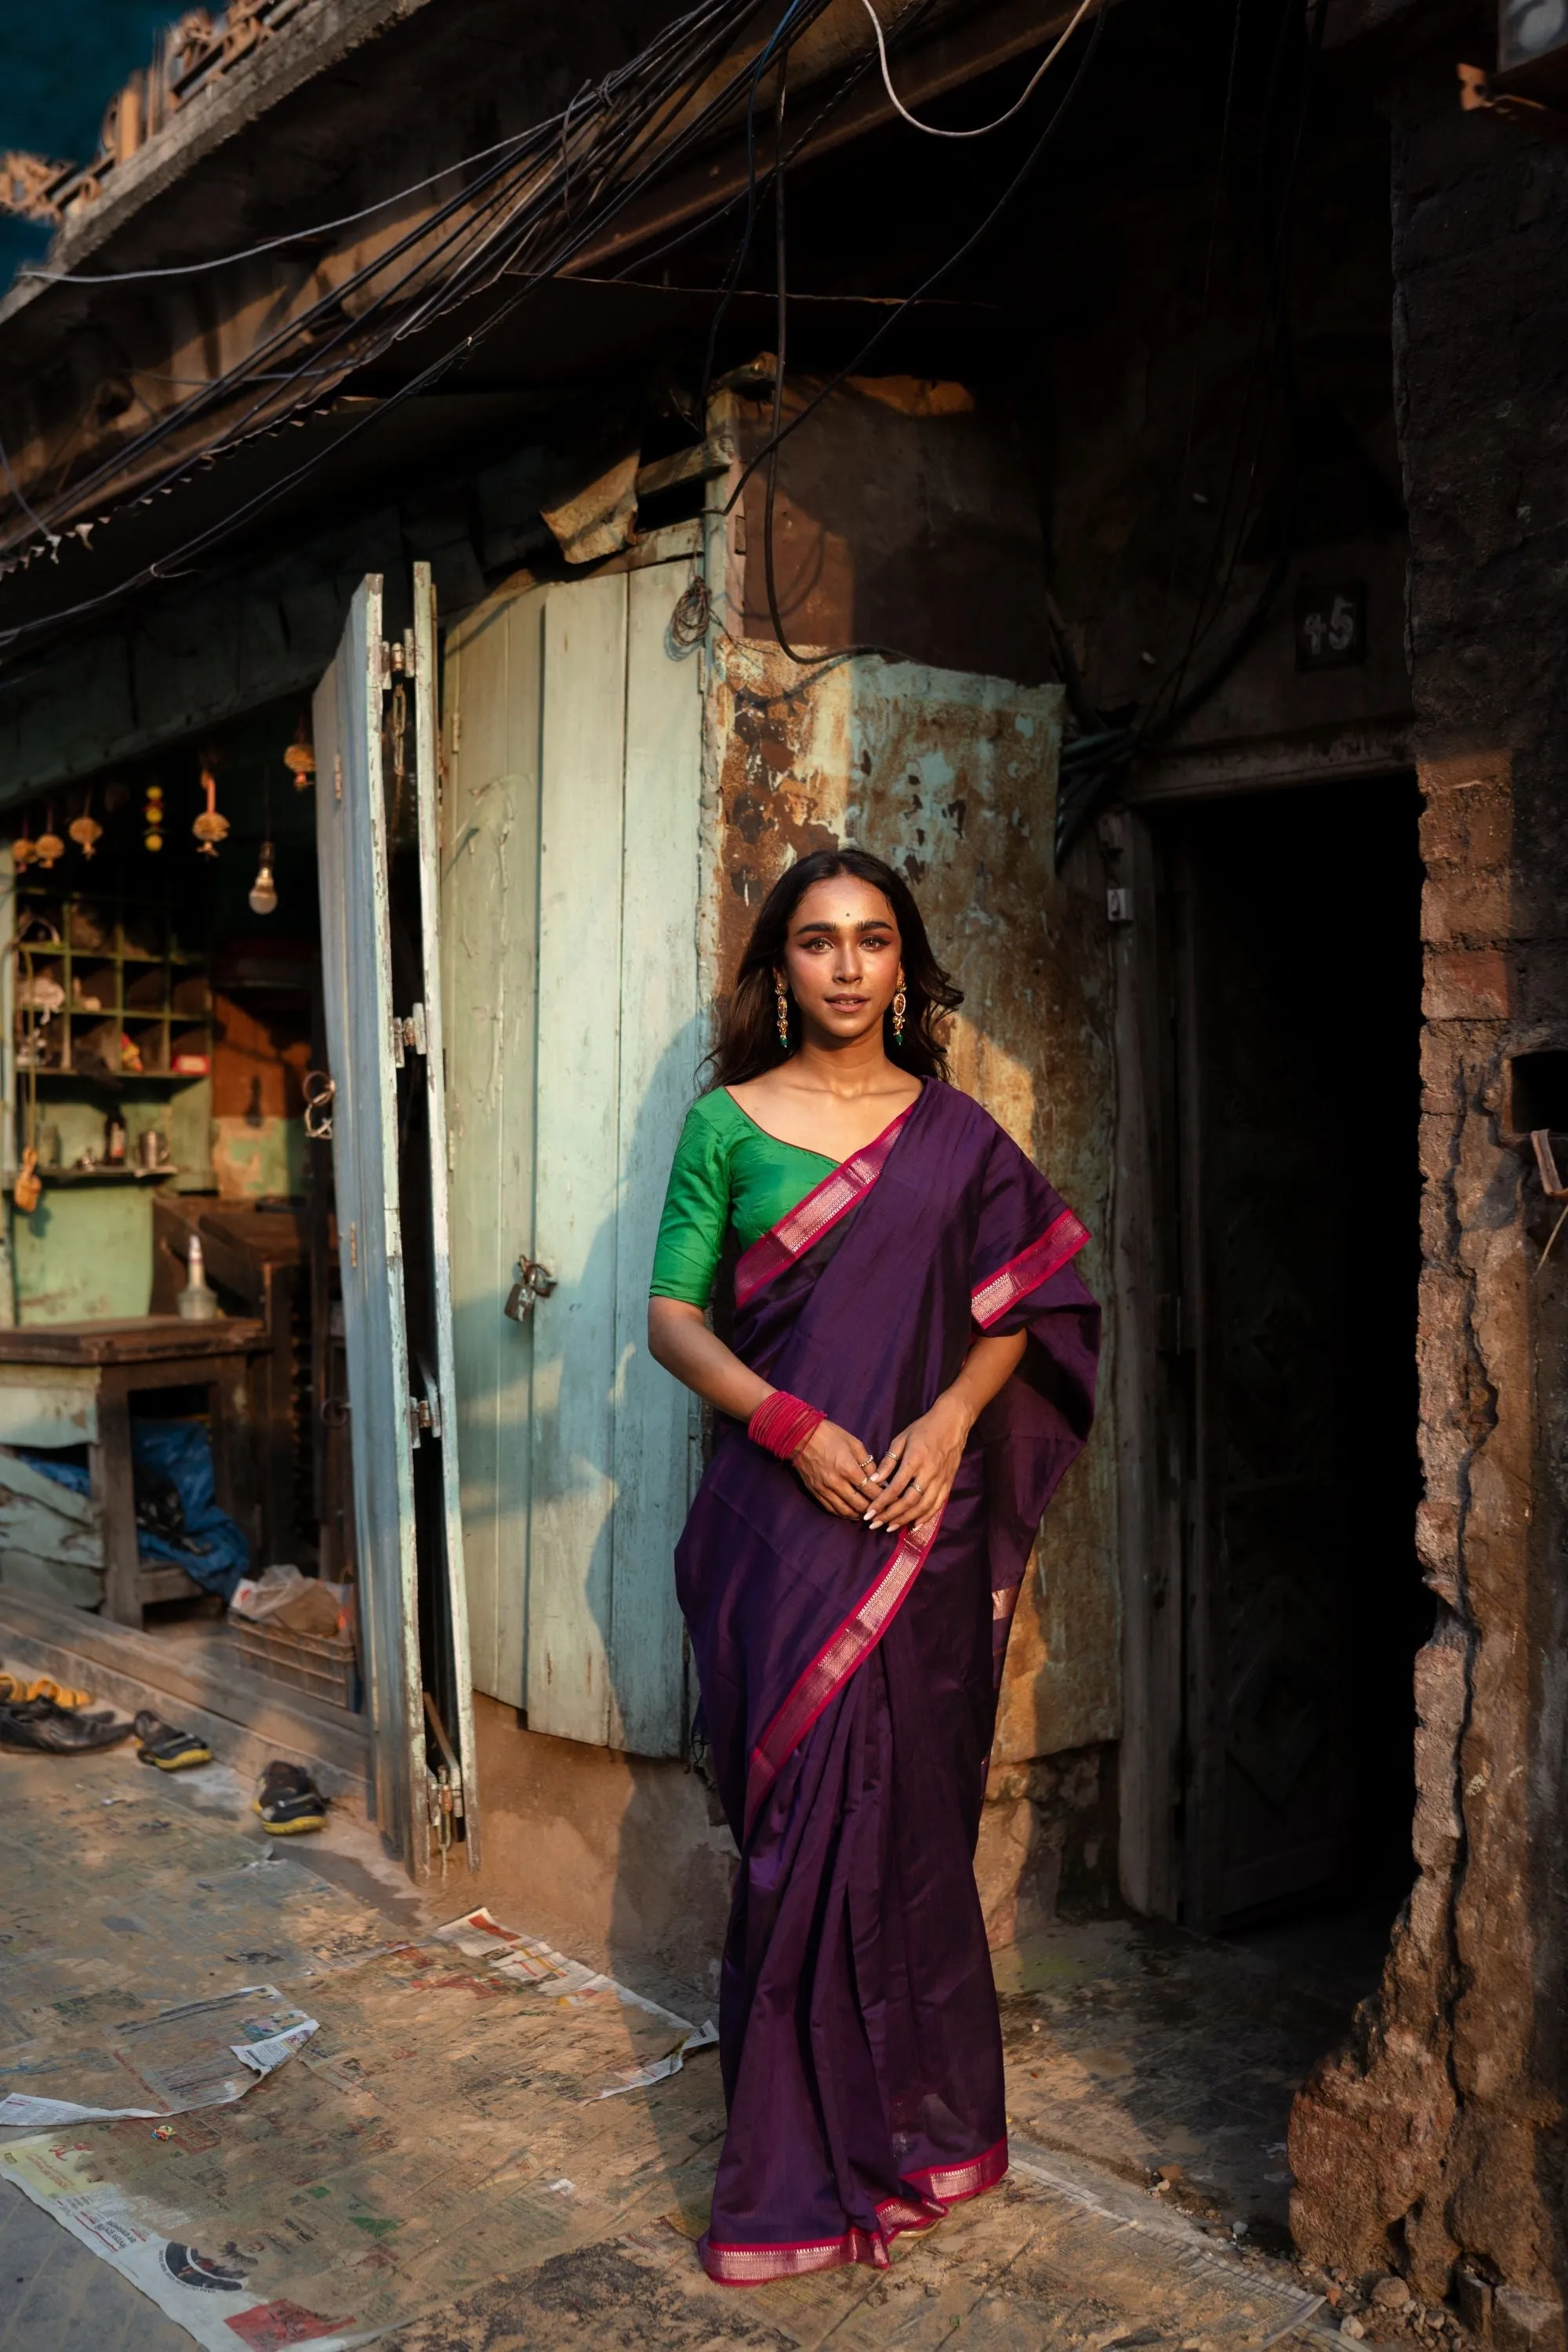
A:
(1435, 2139)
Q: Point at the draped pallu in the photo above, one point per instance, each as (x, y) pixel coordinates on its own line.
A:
(848, 1684)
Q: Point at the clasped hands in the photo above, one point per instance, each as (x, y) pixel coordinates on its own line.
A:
(908, 1487)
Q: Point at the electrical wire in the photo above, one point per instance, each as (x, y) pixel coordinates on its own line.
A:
(692, 55)
(984, 130)
(944, 269)
(37, 521)
(723, 20)
(272, 244)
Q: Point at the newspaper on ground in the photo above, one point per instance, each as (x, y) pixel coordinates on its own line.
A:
(524, 1960)
(202, 2053)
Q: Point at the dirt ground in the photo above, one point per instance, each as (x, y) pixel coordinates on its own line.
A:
(438, 2166)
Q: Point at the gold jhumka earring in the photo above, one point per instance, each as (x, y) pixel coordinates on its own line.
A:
(781, 1006)
(900, 1006)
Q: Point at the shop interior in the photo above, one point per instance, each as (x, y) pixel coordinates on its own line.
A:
(162, 1018)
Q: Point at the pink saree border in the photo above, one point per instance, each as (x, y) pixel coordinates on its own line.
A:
(943, 2184)
(819, 1212)
(1062, 1239)
(845, 1650)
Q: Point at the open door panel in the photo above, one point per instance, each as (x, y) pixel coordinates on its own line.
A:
(389, 1182)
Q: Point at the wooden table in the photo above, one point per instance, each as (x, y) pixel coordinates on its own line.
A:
(71, 1384)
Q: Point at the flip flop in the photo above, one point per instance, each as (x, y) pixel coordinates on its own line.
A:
(170, 1750)
(16, 1691)
(289, 1801)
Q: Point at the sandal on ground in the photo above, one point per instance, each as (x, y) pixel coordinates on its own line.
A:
(170, 1750)
(53, 1730)
(289, 1801)
(15, 1690)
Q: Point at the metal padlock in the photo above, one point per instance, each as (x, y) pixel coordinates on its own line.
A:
(533, 1283)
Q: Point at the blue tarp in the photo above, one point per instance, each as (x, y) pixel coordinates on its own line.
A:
(214, 1552)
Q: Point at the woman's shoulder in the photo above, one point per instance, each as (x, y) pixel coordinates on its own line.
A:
(962, 1116)
(713, 1119)
(960, 1113)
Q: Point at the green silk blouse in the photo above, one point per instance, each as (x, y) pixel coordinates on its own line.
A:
(726, 1171)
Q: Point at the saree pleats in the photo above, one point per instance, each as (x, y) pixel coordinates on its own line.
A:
(849, 1691)
(857, 2024)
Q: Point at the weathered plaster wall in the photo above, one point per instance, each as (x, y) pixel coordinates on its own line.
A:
(885, 502)
(952, 777)
(1437, 2138)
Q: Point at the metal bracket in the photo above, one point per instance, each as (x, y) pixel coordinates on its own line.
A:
(410, 1035)
(533, 1283)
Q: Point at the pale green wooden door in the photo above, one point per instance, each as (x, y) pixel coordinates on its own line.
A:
(569, 910)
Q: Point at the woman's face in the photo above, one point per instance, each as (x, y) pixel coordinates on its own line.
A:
(842, 958)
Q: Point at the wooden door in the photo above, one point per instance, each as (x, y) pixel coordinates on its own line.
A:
(393, 1406)
(569, 915)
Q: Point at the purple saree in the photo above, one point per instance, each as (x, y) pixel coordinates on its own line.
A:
(849, 1685)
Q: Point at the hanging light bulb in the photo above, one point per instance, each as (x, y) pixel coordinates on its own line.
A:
(264, 889)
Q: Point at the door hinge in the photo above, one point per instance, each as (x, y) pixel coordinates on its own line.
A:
(410, 1035)
(443, 1784)
(1119, 905)
(425, 1409)
(398, 658)
(337, 775)
(458, 727)
(354, 1242)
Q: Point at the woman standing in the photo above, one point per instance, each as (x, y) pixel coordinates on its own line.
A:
(910, 1371)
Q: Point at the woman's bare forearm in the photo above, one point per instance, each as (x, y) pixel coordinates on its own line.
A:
(679, 1339)
(988, 1369)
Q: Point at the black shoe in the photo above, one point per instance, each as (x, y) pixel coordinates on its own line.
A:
(289, 1801)
(170, 1750)
(40, 1724)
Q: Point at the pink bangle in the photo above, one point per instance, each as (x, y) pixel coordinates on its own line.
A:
(782, 1423)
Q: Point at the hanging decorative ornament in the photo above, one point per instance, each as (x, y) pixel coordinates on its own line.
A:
(264, 889)
(22, 851)
(48, 846)
(152, 818)
(210, 828)
(85, 829)
(299, 759)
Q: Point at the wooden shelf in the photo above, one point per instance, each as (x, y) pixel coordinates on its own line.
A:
(51, 1177)
(159, 994)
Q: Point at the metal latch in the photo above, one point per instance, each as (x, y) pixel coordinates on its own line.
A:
(409, 1036)
(533, 1283)
(319, 1090)
(420, 1418)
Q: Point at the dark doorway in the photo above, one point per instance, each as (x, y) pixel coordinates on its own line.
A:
(1293, 981)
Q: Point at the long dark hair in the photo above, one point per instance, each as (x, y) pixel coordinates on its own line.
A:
(748, 1026)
